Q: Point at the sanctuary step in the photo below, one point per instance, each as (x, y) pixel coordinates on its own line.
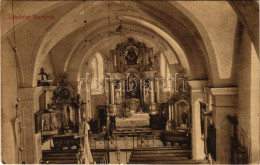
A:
(99, 156)
(163, 155)
(59, 157)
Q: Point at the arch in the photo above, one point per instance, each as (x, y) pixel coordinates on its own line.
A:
(48, 46)
(83, 47)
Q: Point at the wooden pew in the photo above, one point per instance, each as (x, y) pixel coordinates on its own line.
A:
(59, 157)
(171, 162)
(161, 155)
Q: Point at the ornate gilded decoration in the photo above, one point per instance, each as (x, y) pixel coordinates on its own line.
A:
(135, 66)
(134, 54)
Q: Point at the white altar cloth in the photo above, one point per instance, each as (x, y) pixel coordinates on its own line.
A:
(138, 119)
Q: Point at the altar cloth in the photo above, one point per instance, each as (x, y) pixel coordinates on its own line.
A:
(138, 120)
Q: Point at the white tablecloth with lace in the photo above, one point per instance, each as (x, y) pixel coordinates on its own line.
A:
(138, 120)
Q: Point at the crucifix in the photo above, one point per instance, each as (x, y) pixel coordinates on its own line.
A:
(42, 73)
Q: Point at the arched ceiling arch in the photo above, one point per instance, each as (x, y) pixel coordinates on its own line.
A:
(98, 41)
(190, 47)
(170, 17)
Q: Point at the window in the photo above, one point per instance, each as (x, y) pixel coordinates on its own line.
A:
(165, 72)
(96, 71)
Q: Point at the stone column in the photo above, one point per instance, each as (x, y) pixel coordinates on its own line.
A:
(152, 91)
(29, 104)
(123, 89)
(144, 94)
(173, 116)
(197, 95)
(170, 112)
(112, 91)
(224, 102)
(153, 111)
(157, 91)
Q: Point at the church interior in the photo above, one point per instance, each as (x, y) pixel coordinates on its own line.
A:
(130, 82)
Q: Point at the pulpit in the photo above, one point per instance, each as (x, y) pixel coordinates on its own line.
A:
(60, 116)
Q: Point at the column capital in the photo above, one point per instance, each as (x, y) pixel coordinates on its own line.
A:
(224, 91)
(225, 97)
(197, 85)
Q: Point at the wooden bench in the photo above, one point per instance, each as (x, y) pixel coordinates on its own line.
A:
(171, 162)
(59, 157)
(160, 155)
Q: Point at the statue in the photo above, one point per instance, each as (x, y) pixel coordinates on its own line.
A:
(45, 124)
(54, 123)
(118, 90)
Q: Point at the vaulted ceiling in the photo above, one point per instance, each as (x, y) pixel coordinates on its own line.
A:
(200, 36)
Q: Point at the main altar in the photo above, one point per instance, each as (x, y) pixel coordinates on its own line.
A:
(132, 84)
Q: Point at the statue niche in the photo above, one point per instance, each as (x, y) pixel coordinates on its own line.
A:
(133, 87)
(131, 57)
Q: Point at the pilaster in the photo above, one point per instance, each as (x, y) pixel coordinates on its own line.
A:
(197, 96)
(224, 102)
(29, 104)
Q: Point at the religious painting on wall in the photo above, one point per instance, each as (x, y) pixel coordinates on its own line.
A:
(133, 88)
(131, 57)
(183, 115)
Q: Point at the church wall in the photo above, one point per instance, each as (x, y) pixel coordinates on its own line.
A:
(219, 32)
(248, 105)
(96, 100)
(255, 108)
(9, 100)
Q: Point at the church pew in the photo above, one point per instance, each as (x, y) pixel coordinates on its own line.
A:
(161, 148)
(161, 152)
(59, 157)
(170, 162)
(161, 158)
(161, 155)
(61, 162)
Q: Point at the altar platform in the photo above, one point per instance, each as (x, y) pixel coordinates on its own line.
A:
(136, 120)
